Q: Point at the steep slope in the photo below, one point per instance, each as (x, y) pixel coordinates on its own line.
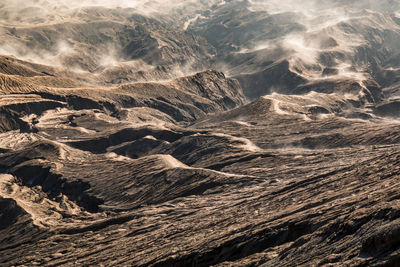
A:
(296, 45)
(120, 145)
(183, 172)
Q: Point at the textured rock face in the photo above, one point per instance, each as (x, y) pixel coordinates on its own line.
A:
(184, 172)
(150, 158)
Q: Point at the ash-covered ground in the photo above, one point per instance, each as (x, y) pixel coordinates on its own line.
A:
(199, 133)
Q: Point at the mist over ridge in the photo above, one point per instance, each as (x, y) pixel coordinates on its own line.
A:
(199, 133)
(311, 36)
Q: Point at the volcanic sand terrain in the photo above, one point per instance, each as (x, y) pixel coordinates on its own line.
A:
(146, 163)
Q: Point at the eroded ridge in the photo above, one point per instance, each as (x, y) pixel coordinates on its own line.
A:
(151, 156)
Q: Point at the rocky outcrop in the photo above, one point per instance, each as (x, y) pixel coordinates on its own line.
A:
(10, 212)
